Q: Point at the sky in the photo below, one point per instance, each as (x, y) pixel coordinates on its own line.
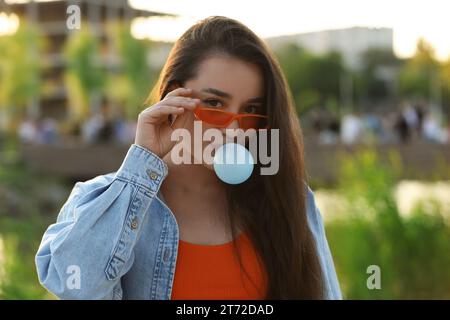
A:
(409, 20)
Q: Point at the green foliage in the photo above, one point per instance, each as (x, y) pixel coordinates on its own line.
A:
(84, 74)
(29, 204)
(420, 72)
(445, 76)
(313, 79)
(19, 68)
(412, 251)
(19, 240)
(370, 82)
(131, 84)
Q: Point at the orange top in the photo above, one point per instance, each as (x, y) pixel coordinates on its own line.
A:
(213, 272)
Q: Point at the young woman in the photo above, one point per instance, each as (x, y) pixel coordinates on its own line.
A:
(159, 230)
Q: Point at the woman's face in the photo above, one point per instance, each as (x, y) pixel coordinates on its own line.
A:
(228, 84)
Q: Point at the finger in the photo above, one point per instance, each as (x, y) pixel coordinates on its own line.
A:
(182, 102)
(179, 92)
(161, 112)
(174, 102)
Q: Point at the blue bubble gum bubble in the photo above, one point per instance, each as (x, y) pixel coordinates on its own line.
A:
(233, 163)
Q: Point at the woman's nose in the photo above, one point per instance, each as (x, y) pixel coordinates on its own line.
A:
(233, 125)
(230, 136)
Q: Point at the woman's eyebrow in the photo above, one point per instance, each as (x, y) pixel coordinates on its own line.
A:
(223, 94)
(217, 92)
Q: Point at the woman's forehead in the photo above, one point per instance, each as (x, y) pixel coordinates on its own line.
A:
(232, 76)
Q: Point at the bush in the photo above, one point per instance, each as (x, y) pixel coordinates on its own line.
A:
(412, 252)
(29, 203)
(19, 241)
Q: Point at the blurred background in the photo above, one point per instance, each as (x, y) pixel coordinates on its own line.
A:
(371, 82)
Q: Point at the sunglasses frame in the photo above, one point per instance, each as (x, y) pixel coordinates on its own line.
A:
(233, 116)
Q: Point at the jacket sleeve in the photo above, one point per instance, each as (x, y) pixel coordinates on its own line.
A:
(90, 247)
(331, 283)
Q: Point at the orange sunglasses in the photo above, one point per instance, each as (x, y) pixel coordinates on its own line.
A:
(221, 119)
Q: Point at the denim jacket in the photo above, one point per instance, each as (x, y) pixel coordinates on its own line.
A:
(115, 238)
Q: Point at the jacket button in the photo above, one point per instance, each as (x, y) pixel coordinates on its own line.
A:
(153, 175)
(134, 223)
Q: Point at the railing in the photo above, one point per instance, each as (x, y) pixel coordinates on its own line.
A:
(420, 160)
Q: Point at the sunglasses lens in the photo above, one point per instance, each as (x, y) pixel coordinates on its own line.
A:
(252, 122)
(214, 117)
(221, 119)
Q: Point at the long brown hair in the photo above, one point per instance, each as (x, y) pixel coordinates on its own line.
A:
(272, 208)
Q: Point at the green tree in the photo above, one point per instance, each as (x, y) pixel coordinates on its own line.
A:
(313, 79)
(19, 70)
(445, 76)
(420, 72)
(84, 74)
(371, 83)
(131, 84)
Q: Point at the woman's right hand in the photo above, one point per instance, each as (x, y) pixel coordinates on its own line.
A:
(153, 128)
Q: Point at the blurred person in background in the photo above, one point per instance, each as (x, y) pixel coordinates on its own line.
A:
(402, 128)
(99, 128)
(28, 131)
(411, 119)
(433, 131)
(352, 128)
(43, 131)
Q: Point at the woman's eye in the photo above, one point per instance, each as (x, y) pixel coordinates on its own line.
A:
(251, 109)
(212, 103)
